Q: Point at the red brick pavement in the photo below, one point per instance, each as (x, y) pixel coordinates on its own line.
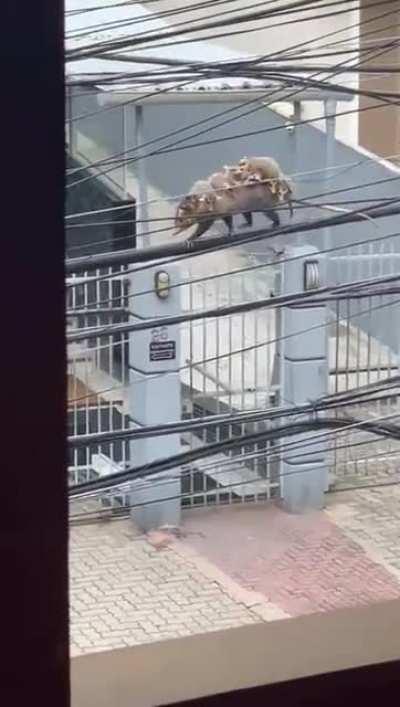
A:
(302, 564)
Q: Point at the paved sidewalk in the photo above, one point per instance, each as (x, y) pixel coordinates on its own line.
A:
(230, 567)
(125, 591)
(371, 518)
(302, 563)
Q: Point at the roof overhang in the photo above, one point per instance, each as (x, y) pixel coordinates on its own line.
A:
(175, 97)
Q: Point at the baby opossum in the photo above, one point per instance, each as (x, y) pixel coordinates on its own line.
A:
(269, 171)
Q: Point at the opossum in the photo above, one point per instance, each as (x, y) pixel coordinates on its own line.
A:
(237, 189)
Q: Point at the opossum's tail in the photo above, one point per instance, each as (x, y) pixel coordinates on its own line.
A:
(337, 209)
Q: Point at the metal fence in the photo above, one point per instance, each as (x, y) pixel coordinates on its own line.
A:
(363, 349)
(97, 370)
(231, 364)
(227, 365)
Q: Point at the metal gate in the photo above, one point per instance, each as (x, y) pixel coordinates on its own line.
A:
(364, 349)
(227, 365)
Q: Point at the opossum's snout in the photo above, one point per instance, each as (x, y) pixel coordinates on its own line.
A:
(184, 215)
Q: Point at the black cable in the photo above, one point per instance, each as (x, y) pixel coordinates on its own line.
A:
(331, 192)
(345, 291)
(324, 404)
(337, 70)
(264, 58)
(244, 349)
(270, 455)
(227, 138)
(212, 244)
(274, 457)
(235, 33)
(117, 24)
(111, 6)
(78, 519)
(238, 271)
(181, 459)
(279, 12)
(129, 41)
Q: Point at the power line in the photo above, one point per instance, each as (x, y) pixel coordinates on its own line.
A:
(242, 350)
(327, 403)
(239, 32)
(286, 430)
(337, 69)
(264, 57)
(343, 291)
(233, 109)
(221, 489)
(116, 24)
(212, 244)
(100, 49)
(344, 169)
(238, 460)
(125, 42)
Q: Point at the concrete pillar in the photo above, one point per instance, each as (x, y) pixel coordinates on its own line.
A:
(154, 398)
(304, 378)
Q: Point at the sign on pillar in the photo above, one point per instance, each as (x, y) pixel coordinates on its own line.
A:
(155, 394)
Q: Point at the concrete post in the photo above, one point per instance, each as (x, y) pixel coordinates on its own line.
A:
(304, 377)
(155, 398)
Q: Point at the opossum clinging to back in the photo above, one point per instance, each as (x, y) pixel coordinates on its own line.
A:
(268, 171)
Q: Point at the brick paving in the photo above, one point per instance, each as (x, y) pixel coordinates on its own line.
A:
(231, 566)
(124, 591)
(371, 518)
(302, 564)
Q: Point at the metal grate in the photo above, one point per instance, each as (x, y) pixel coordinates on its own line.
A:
(363, 349)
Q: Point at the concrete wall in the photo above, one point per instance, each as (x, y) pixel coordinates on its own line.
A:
(193, 667)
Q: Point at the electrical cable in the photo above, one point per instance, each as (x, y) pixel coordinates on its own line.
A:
(117, 24)
(242, 350)
(226, 111)
(337, 69)
(101, 48)
(127, 42)
(180, 459)
(309, 296)
(222, 488)
(231, 33)
(213, 244)
(244, 417)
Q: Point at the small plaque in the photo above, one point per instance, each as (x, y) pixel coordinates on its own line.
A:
(162, 351)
